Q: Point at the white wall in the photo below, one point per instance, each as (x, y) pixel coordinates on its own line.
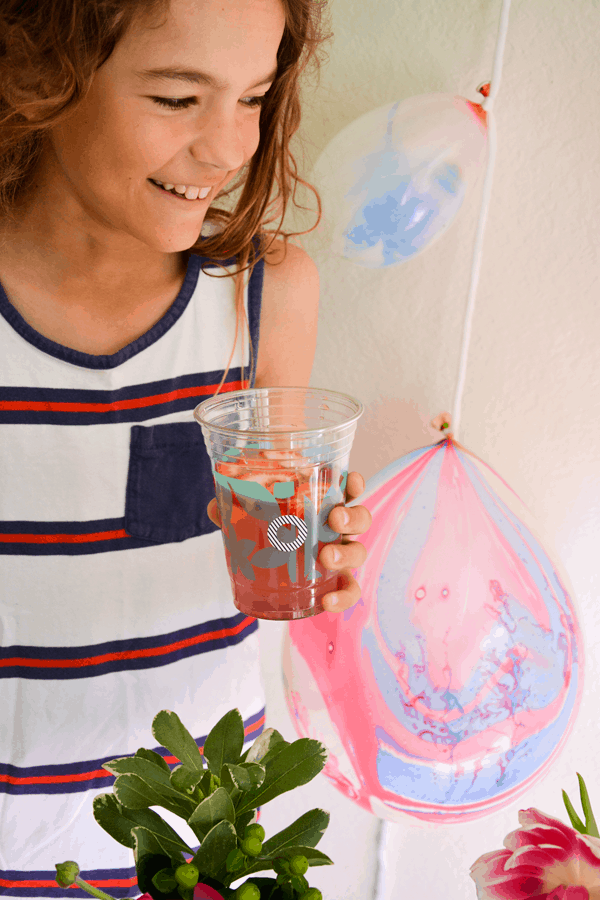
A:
(531, 406)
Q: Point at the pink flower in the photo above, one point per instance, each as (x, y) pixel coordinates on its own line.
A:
(544, 859)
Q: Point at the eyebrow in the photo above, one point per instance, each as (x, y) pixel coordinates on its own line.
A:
(194, 76)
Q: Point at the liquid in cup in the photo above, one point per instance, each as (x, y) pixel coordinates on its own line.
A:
(275, 490)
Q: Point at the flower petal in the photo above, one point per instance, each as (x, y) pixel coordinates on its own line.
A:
(494, 883)
(535, 816)
(533, 856)
(544, 835)
(566, 892)
(592, 842)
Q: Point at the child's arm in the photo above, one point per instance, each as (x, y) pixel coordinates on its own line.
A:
(288, 338)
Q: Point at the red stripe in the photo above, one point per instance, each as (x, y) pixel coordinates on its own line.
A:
(55, 779)
(135, 403)
(109, 882)
(126, 654)
(100, 773)
(62, 538)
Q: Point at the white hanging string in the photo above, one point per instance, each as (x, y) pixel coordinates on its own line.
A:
(381, 887)
(487, 105)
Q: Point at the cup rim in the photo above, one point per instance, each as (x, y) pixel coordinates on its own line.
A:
(229, 395)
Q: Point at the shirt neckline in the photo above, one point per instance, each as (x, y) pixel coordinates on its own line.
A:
(112, 360)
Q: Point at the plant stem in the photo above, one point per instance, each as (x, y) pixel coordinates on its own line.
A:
(94, 891)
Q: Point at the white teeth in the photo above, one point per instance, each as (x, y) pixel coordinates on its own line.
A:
(190, 192)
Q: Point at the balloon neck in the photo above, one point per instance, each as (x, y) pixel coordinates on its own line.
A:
(479, 114)
(477, 109)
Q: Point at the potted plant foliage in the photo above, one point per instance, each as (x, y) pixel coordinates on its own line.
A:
(217, 792)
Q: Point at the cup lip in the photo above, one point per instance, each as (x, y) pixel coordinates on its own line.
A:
(229, 395)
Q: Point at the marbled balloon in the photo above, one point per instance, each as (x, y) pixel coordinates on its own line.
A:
(453, 683)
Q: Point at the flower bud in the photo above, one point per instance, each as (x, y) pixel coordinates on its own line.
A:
(66, 873)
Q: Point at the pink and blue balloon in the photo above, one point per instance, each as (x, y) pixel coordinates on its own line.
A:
(452, 685)
(393, 180)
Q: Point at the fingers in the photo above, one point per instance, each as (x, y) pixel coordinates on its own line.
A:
(355, 485)
(342, 599)
(343, 556)
(350, 519)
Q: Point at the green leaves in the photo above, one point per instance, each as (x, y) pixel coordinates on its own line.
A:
(314, 857)
(119, 821)
(141, 783)
(590, 826)
(218, 803)
(215, 848)
(263, 744)
(147, 843)
(185, 779)
(306, 831)
(296, 764)
(136, 793)
(224, 743)
(170, 733)
(213, 809)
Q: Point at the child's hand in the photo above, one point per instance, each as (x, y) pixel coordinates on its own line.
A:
(352, 554)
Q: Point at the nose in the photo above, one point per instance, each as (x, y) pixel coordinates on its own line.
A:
(223, 139)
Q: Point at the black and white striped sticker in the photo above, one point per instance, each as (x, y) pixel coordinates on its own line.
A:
(275, 525)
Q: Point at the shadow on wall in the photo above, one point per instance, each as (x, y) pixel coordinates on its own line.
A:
(399, 425)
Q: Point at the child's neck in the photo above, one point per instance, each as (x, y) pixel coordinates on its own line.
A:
(98, 312)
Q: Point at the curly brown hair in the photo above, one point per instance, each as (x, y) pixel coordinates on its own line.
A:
(49, 52)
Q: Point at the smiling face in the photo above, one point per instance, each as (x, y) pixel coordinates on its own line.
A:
(97, 171)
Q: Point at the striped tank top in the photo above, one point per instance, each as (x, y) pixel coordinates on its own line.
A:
(115, 601)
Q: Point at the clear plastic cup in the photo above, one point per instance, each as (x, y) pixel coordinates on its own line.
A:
(279, 458)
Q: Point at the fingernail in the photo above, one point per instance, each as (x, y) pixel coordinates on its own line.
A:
(345, 517)
(336, 555)
(333, 600)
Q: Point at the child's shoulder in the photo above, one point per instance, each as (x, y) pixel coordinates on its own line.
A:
(288, 260)
(288, 323)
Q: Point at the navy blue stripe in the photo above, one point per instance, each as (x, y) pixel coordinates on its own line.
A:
(22, 548)
(127, 646)
(136, 414)
(175, 311)
(103, 783)
(108, 361)
(56, 891)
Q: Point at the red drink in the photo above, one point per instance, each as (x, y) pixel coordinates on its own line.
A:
(280, 459)
(293, 588)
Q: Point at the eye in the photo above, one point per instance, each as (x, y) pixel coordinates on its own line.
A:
(184, 102)
(173, 103)
(254, 101)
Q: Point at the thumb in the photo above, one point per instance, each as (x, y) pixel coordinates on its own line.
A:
(213, 512)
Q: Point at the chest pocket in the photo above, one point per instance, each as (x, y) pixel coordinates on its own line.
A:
(169, 483)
